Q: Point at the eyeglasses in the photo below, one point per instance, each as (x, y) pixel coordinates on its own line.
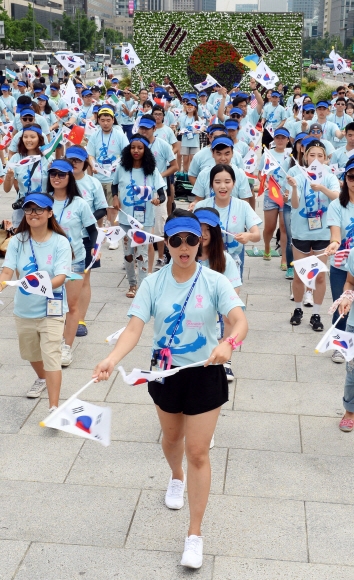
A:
(349, 177)
(75, 160)
(190, 240)
(29, 119)
(314, 132)
(59, 174)
(35, 210)
(309, 112)
(235, 116)
(341, 93)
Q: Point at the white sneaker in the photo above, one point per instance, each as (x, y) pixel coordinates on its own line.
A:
(174, 495)
(66, 356)
(113, 246)
(338, 357)
(308, 298)
(212, 442)
(52, 409)
(35, 391)
(192, 556)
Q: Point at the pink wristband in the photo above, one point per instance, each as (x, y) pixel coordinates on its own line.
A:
(234, 344)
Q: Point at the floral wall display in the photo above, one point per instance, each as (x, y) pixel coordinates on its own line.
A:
(188, 46)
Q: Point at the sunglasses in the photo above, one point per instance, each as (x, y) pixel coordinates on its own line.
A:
(75, 160)
(59, 174)
(36, 210)
(341, 93)
(350, 177)
(190, 240)
(235, 116)
(27, 119)
(309, 112)
(314, 132)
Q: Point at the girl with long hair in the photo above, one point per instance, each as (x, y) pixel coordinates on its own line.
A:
(40, 244)
(137, 172)
(190, 135)
(46, 111)
(73, 214)
(188, 403)
(310, 234)
(31, 177)
(92, 192)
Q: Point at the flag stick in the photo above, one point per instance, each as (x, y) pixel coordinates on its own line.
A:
(280, 167)
(55, 413)
(313, 256)
(324, 338)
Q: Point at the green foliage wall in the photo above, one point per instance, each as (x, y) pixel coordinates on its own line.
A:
(283, 29)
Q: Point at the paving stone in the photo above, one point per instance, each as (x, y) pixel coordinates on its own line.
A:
(321, 436)
(309, 367)
(14, 412)
(289, 476)
(135, 465)
(37, 458)
(257, 366)
(233, 526)
(329, 528)
(276, 302)
(273, 432)
(264, 321)
(11, 554)
(296, 344)
(9, 351)
(134, 423)
(48, 561)
(69, 514)
(242, 569)
(289, 397)
(106, 280)
(88, 355)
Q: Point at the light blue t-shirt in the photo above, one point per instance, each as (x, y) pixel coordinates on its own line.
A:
(166, 134)
(251, 117)
(234, 218)
(278, 174)
(10, 104)
(41, 121)
(273, 115)
(169, 119)
(53, 256)
(106, 148)
(205, 112)
(73, 218)
(162, 297)
(215, 100)
(329, 133)
(15, 139)
(126, 180)
(341, 123)
(343, 217)
(51, 118)
(310, 202)
(241, 189)
(85, 113)
(38, 181)
(340, 156)
(92, 192)
(232, 272)
(350, 266)
(241, 147)
(163, 155)
(123, 118)
(204, 158)
(185, 122)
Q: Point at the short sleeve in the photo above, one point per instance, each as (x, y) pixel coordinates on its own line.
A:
(142, 304)
(158, 180)
(12, 254)
(91, 145)
(63, 257)
(252, 219)
(87, 217)
(237, 159)
(332, 182)
(226, 298)
(99, 200)
(45, 126)
(334, 214)
(116, 176)
(199, 188)
(242, 185)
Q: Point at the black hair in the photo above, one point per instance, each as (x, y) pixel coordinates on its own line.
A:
(47, 108)
(149, 117)
(143, 89)
(218, 169)
(340, 89)
(159, 109)
(179, 212)
(216, 256)
(295, 154)
(221, 147)
(71, 189)
(86, 162)
(24, 228)
(349, 127)
(24, 100)
(238, 100)
(147, 102)
(344, 198)
(148, 160)
(296, 87)
(341, 99)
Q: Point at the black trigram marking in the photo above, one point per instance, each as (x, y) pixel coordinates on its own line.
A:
(64, 422)
(174, 38)
(259, 40)
(77, 410)
(302, 271)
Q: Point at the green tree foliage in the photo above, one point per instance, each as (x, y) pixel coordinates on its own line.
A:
(19, 33)
(319, 48)
(113, 36)
(71, 26)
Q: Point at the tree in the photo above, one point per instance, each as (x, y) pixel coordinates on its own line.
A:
(19, 33)
(74, 25)
(113, 36)
(319, 48)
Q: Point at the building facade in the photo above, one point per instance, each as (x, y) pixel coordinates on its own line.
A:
(46, 12)
(273, 6)
(246, 7)
(338, 25)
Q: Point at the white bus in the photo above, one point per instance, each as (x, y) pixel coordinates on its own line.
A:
(22, 57)
(5, 54)
(106, 58)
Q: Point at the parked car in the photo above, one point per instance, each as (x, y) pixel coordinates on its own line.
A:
(325, 68)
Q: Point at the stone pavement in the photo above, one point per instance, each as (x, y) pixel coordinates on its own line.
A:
(281, 503)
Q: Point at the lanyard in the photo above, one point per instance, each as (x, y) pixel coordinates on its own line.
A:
(62, 211)
(106, 147)
(184, 307)
(131, 181)
(227, 223)
(34, 256)
(339, 126)
(318, 199)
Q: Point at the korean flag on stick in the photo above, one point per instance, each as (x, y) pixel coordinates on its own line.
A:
(140, 238)
(132, 221)
(82, 419)
(266, 77)
(29, 160)
(129, 56)
(112, 338)
(139, 376)
(114, 233)
(249, 163)
(37, 283)
(101, 236)
(335, 339)
(308, 269)
(209, 82)
(270, 164)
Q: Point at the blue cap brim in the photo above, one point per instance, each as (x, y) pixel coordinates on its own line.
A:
(38, 199)
(207, 217)
(182, 224)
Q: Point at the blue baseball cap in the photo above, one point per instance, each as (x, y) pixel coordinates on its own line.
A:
(191, 102)
(147, 122)
(236, 85)
(37, 90)
(222, 141)
(51, 88)
(300, 136)
(182, 224)
(243, 95)
(27, 111)
(96, 108)
(313, 142)
(205, 216)
(203, 94)
(140, 138)
(43, 97)
(41, 199)
(322, 104)
(61, 165)
(281, 131)
(115, 80)
(232, 124)
(275, 94)
(308, 140)
(75, 152)
(111, 92)
(233, 95)
(236, 111)
(334, 93)
(309, 107)
(79, 86)
(21, 84)
(86, 93)
(212, 128)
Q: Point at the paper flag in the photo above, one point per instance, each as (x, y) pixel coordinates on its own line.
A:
(341, 257)
(337, 340)
(96, 250)
(62, 113)
(209, 82)
(37, 283)
(90, 127)
(140, 238)
(112, 338)
(129, 56)
(114, 233)
(132, 221)
(100, 169)
(99, 82)
(69, 61)
(308, 269)
(250, 162)
(274, 192)
(5, 141)
(76, 134)
(138, 376)
(254, 133)
(251, 61)
(316, 172)
(29, 160)
(10, 74)
(266, 77)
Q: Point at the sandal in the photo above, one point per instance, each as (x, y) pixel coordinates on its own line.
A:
(283, 267)
(267, 257)
(131, 292)
(346, 425)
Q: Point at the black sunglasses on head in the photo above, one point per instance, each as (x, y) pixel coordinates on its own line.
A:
(190, 240)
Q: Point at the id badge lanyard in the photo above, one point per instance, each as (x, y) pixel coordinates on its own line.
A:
(62, 211)
(226, 244)
(55, 304)
(138, 210)
(166, 352)
(314, 217)
(33, 255)
(105, 148)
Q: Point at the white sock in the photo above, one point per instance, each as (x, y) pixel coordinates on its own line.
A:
(41, 380)
(316, 308)
(298, 305)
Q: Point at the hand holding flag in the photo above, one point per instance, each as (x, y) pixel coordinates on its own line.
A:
(335, 339)
(113, 338)
(101, 236)
(138, 376)
(37, 283)
(266, 77)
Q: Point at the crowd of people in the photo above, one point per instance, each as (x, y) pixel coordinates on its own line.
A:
(126, 169)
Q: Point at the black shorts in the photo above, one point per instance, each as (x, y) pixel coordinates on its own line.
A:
(179, 137)
(192, 391)
(88, 257)
(305, 246)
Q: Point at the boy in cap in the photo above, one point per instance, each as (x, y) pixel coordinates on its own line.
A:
(340, 118)
(274, 117)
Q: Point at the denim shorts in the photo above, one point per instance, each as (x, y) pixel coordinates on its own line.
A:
(269, 203)
(78, 267)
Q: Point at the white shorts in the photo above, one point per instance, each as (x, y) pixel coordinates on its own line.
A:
(160, 218)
